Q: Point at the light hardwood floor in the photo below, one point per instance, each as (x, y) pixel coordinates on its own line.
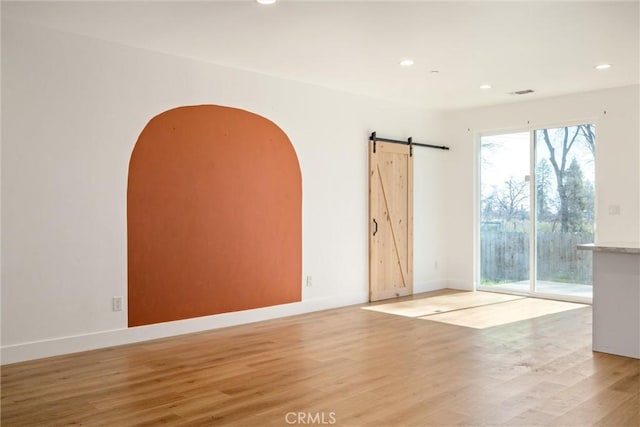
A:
(349, 366)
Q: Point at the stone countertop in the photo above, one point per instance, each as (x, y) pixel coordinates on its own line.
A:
(618, 247)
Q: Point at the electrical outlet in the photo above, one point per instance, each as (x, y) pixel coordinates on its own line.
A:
(117, 303)
(309, 282)
(614, 209)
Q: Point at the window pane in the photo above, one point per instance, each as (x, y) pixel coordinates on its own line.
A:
(504, 211)
(565, 177)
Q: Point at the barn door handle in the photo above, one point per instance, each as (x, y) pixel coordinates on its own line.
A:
(376, 224)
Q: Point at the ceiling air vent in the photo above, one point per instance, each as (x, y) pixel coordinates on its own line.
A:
(522, 92)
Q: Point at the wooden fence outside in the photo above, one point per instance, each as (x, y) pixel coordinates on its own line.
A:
(505, 257)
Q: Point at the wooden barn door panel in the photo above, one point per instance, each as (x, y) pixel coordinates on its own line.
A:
(391, 221)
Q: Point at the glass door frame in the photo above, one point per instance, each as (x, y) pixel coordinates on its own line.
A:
(533, 271)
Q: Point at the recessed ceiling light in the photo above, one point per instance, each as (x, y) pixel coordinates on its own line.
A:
(485, 87)
(266, 1)
(602, 66)
(406, 62)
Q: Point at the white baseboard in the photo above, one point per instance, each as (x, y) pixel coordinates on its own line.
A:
(461, 285)
(72, 344)
(431, 285)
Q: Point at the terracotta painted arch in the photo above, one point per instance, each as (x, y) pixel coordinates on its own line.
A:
(214, 215)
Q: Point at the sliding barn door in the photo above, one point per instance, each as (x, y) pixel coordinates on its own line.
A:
(391, 221)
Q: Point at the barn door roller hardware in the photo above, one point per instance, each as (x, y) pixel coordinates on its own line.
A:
(408, 142)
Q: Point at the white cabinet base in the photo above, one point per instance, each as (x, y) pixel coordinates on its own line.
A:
(616, 303)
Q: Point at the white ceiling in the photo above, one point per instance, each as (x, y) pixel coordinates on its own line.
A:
(551, 47)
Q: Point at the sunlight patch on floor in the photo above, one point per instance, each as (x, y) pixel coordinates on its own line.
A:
(442, 303)
(476, 310)
(503, 313)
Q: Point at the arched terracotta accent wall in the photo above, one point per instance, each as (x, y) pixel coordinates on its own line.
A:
(214, 215)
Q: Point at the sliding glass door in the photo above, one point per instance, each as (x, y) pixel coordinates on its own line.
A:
(536, 206)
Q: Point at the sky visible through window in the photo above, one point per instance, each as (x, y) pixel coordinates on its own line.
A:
(506, 156)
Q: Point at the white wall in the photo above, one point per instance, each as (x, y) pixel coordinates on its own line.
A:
(430, 194)
(617, 164)
(73, 108)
